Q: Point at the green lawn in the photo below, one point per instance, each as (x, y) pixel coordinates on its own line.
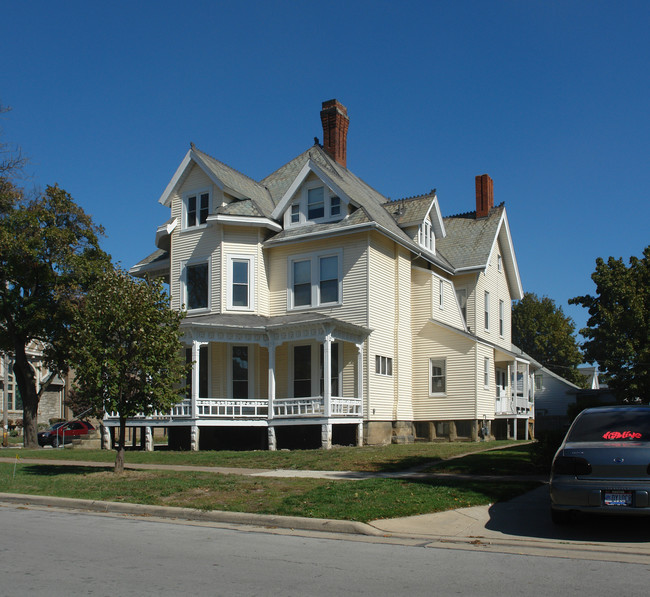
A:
(368, 458)
(350, 500)
(346, 500)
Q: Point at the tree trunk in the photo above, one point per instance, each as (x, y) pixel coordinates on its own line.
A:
(26, 380)
(119, 458)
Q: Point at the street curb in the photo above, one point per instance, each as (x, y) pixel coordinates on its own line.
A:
(263, 520)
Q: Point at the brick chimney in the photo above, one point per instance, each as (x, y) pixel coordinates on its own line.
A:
(484, 196)
(334, 117)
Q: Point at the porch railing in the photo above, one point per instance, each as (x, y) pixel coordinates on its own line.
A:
(506, 403)
(231, 408)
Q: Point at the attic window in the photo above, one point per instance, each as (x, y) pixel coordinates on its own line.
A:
(426, 236)
(197, 208)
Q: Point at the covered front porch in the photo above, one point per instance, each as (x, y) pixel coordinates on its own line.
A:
(258, 372)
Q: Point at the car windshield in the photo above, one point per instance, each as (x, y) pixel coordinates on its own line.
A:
(611, 425)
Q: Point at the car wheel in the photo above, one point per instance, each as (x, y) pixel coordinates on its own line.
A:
(560, 516)
(55, 442)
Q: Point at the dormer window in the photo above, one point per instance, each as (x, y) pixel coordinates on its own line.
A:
(316, 203)
(197, 208)
(426, 236)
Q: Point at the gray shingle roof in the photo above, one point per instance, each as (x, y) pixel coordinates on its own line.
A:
(469, 241)
(159, 259)
(411, 211)
(239, 182)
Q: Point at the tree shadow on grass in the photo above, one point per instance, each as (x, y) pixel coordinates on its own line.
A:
(47, 470)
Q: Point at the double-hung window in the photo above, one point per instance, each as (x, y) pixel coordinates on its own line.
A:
(501, 317)
(316, 203)
(437, 374)
(196, 286)
(241, 293)
(486, 303)
(315, 280)
(426, 235)
(197, 208)
(301, 271)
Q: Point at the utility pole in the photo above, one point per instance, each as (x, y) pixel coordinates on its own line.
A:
(5, 401)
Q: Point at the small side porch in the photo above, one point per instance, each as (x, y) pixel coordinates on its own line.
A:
(515, 395)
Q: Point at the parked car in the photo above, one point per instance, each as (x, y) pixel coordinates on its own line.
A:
(603, 464)
(64, 432)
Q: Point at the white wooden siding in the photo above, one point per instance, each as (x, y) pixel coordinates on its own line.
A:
(459, 353)
(382, 285)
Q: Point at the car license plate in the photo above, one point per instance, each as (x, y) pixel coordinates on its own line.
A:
(618, 498)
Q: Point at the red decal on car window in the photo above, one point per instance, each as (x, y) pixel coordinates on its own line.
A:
(622, 435)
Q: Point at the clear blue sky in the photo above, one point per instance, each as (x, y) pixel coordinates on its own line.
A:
(551, 98)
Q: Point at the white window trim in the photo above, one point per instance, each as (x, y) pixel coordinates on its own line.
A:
(251, 282)
(383, 365)
(486, 310)
(426, 235)
(314, 259)
(486, 373)
(444, 375)
(183, 280)
(441, 297)
(195, 193)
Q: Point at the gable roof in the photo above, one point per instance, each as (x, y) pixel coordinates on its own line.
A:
(470, 243)
(226, 178)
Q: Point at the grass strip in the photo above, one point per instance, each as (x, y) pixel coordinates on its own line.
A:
(389, 458)
(343, 500)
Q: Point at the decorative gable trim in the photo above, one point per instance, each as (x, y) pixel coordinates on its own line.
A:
(509, 258)
(436, 218)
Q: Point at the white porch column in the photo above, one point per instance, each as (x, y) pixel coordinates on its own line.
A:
(327, 378)
(526, 381)
(360, 376)
(273, 443)
(194, 438)
(148, 440)
(196, 347)
(326, 436)
(271, 396)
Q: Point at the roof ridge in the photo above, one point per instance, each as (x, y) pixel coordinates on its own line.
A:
(472, 214)
(430, 194)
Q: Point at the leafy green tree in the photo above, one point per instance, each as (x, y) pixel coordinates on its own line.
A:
(542, 330)
(126, 350)
(618, 328)
(49, 254)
